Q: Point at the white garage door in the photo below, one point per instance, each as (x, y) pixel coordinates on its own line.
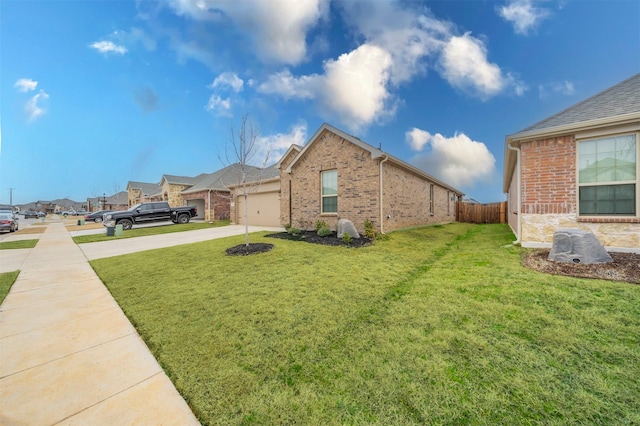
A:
(199, 205)
(263, 209)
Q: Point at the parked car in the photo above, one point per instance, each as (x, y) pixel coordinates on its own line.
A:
(150, 212)
(96, 216)
(30, 214)
(8, 222)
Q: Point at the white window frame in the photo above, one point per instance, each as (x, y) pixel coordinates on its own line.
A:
(323, 196)
(602, 135)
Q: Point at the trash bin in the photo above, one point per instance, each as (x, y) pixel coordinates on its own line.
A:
(119, 230)
(111, 230)
(80, 221)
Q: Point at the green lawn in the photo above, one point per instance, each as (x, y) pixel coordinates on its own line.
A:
(436, 325)
(6, 281)
(153, 230)
(18, 244)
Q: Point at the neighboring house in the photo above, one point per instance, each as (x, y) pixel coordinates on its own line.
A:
(262, 204)
(579, 169)
(338, 176)
(172, 187)
(211, 195)
(143, 192)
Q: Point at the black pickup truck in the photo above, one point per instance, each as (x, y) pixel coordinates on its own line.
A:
(149, 212)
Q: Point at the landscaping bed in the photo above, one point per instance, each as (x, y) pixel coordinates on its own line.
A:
(625, 267)
(314, 238)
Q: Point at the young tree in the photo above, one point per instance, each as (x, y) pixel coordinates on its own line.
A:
(242, 152)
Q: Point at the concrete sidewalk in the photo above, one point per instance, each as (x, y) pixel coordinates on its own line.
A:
(68, 353)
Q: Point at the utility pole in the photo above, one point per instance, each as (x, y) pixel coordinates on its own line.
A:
(11, 198)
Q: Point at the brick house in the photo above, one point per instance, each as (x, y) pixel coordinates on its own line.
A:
(211, 193)
(579, 169)
(143, 192)
(172, 187)
(336, 175)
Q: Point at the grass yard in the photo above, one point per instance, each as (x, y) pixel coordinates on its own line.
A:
(153, 230)
(435, 325)
(18, 244)
(6, 281)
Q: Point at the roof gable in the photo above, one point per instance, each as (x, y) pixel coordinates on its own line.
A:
(375, 154)
(178, 180)
(147, 188)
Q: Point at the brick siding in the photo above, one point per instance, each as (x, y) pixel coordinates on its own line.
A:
(406, 195)
(220, 202)
(549, 176)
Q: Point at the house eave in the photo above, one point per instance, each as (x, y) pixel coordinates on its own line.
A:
(515, 140)
(375, 153)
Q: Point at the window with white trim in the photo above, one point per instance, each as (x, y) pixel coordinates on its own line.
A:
(608, 176)
(329, 196)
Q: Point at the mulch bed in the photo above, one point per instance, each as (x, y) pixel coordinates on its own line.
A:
(314, 238)
(246, 250)
(625, 267)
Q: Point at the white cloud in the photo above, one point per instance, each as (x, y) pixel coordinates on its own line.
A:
(465, 65)
(523, 15)
(352, 89)
(228, 79)
(564, 88)
(34, 106)
(356, 84)
(278, 27)
(409, 36)
(107, 47)
(457, 160)
(276, 145)
(288, 86)
(219, 106)
(25, 85)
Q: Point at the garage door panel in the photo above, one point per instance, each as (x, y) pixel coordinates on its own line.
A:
(263, 209)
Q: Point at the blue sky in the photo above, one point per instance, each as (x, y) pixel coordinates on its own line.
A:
(97, 93)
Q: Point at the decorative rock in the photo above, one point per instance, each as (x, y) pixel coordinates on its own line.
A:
(577, 246)
(346, 226)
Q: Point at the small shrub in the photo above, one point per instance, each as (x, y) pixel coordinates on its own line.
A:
(346, 238)
(293, 231)
(320, 224)
(369, 230)
(287, 227)
(324, 231)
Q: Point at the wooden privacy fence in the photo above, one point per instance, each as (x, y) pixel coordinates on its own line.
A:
(481, 213)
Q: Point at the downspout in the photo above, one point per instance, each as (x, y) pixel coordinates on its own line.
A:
(381, 197)
(210, 221)
(519, 211)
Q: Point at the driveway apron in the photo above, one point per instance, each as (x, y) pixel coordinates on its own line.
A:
(68, 354)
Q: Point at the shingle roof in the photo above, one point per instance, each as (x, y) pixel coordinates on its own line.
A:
(146, 187)
(228, 176)
(180, 180)
(375, 153)
(623, 98)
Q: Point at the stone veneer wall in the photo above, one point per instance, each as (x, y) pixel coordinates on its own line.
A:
(549, 197)
(538, 229)
(172, 193)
